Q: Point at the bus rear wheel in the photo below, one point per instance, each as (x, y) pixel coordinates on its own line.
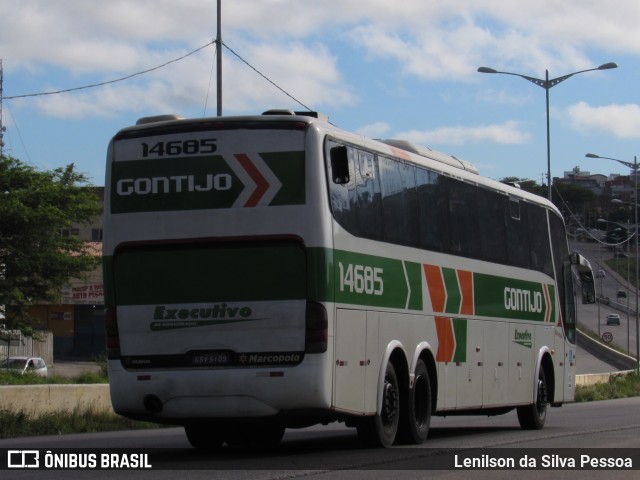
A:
(532, 417)
(381, 429)
(416, 417)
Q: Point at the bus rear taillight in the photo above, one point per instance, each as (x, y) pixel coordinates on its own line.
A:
(317, 328)
(113, 337)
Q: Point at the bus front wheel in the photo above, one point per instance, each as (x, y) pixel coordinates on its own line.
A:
(381, 429)
(532, 417)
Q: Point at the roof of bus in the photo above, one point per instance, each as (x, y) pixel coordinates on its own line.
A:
(442, 162)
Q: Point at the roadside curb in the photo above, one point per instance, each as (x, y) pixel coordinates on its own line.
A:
(605, 353)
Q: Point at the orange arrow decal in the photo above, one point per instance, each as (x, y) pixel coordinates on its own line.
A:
(436, 287)
(465, 279)
(446, 340)
(261, 183)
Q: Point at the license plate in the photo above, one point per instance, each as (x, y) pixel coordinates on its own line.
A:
(213, 358)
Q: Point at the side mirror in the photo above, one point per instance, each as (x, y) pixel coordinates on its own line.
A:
(585, 273)
(580, 262)
(340, 165)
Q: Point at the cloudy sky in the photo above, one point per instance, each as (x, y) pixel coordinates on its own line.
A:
(403, 69)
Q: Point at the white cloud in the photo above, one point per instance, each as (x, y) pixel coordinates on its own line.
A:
(308, 75)
(621, 121)
(506, 133)
(449, 40)
(374, 130)
(505, 97)
(426, 39)
(435, 52)
(429, 39)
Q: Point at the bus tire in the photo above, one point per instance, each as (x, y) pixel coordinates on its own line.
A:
(204, 436)
(380, 430)
(532, 417)
(416, 417)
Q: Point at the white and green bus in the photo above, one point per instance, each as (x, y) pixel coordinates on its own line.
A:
(273, 271)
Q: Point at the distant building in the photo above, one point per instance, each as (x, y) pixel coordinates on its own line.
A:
(612, 186)
(596, 182)
(77, 322)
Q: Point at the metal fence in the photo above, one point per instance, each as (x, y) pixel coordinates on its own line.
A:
(14, 344)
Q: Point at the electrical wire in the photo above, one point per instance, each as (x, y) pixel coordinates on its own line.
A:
(265, 77)
(14, 122)
(213, 66)
(127, 77)
(586, 230)
(110, 81)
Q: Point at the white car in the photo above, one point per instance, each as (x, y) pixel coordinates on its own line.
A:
(25, 365)
(613, 319)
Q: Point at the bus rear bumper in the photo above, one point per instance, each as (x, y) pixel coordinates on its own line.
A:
(174, 397)
(230, 406)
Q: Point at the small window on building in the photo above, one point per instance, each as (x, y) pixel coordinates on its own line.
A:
(70, 232)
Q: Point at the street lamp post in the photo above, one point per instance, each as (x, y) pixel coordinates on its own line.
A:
(634, 167)
(599, 220)
(547, 84)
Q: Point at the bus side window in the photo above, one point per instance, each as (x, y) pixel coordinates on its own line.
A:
(588, 287)
(340, 165)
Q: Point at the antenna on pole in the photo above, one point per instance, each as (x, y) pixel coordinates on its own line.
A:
(219, 58)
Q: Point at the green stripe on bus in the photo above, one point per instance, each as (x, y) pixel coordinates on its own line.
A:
(189, 183)
(289, 168)
(454, 296)
(460, 334)
(374, 281)
(510, 298)
(414, 274)
(204, 182)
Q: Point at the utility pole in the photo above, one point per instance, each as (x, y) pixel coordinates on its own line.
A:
(219, 58)
(2, 127)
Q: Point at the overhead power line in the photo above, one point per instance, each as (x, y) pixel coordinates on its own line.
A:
(100, 84)
(265, 77)
(110, 81)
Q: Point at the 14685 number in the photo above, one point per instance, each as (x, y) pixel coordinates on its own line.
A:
(179, 147)
(361, 279)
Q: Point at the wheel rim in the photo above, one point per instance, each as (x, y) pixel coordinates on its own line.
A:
(541, 403)
(390, 404)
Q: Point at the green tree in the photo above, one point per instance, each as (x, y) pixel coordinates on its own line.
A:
(572, 194)
(527, 185)
(36, 260)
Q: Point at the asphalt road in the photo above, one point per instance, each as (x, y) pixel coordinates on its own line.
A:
(609, 286)
(333, 451)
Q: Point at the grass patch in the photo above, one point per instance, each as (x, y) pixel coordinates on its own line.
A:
(20, 424)
(594, 336)
(620, 385)
(624, 267)
(15, 378)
